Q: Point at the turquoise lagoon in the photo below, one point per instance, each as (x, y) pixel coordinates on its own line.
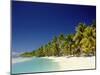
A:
(36, 64)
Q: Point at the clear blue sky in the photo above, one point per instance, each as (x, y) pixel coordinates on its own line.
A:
(35, 24)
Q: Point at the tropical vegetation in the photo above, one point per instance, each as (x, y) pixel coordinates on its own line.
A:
(80, 43)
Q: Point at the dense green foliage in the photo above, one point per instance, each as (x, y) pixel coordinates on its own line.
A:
(81, 43)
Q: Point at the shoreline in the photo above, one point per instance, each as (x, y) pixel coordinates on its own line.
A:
(66, 63)
(54, 58)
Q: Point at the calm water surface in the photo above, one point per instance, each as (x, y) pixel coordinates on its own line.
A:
(35, 65)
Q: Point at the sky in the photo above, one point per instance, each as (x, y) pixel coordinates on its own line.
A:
(35, 24)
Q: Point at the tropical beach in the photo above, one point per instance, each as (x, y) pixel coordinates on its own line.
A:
(58, 64)
(50, 37)
(73, 52)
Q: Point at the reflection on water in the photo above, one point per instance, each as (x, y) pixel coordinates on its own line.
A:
(35, 65)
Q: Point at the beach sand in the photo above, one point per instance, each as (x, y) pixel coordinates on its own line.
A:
(75, 63)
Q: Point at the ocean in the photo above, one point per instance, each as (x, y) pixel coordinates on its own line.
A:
(33, 65)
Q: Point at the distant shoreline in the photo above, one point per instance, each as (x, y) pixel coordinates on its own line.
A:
(20, 59)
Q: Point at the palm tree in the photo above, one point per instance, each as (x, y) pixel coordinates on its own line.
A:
(78, 37)
(56, 46)
(61, 40)
(51, 50)
(46, 50)
(69, 39)
(64, 47)
(88, 43)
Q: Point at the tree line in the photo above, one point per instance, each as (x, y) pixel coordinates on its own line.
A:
(80, 43)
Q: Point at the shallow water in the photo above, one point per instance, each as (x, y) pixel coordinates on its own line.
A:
(35, 65)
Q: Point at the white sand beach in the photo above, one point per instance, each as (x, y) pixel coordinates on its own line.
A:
(74, 63)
